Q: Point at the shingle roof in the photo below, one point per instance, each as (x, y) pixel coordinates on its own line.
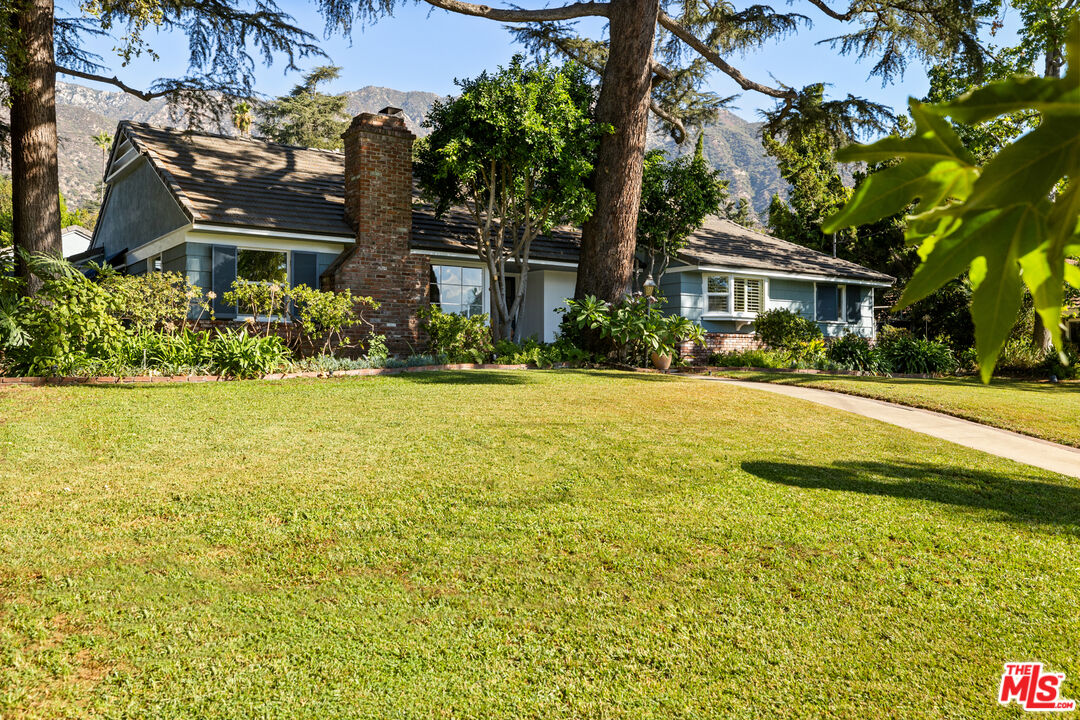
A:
(252, 183)
(237, 181)
(722, 243)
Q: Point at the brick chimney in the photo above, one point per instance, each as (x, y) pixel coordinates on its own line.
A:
(378, 204)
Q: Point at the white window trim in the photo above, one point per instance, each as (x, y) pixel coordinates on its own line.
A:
(454, 262)
(731, 314)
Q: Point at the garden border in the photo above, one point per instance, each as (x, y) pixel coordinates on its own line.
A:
(812, 371)
(158, 379)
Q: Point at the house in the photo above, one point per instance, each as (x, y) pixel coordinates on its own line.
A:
(220, 208)
(75, 239)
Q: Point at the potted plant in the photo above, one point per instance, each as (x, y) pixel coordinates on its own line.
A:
(664, 332)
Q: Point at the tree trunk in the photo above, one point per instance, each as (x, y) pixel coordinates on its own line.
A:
(34, 176)
(1040, 336)
(608, 238)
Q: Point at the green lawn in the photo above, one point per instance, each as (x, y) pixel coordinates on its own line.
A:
(1051, 412)
(503, 545)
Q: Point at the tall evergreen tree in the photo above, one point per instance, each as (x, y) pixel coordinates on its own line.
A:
(36, 44)
(306, 116)
(656, 57)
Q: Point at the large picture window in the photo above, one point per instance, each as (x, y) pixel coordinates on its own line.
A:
(457, 289)
(262, 266)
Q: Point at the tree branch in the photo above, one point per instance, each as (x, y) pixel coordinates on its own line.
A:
(566, 12)
(676, 123)
(842, 17)
(142, 95)
(671, 25)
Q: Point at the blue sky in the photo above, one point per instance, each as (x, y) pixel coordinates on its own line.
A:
(421, 48)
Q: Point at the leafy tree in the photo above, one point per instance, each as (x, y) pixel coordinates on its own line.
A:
(306, 116)
(1010, 222)
(36, 44)
(515, 148)
(677, 194)
(243, 118)
(741, 213)
(657, 58)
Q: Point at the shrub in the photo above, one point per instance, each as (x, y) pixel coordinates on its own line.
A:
(751, 358)
(322, 316)
(377, 353)
(544, 355)
(852, 352)
(240, 355)
(783, 329)
(461, 338)
(636, 327)
(153, 300)
(902, 352)
(69, 325)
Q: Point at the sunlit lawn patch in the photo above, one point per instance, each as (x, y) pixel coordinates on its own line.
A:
(530, 544)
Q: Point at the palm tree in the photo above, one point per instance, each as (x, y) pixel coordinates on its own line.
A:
(242, 117)
(104, 141)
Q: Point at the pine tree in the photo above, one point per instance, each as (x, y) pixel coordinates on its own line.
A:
(306, 116)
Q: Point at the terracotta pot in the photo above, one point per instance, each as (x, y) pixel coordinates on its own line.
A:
(660, 362)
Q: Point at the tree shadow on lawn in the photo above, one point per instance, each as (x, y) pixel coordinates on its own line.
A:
(1014, 497)
(464, 377)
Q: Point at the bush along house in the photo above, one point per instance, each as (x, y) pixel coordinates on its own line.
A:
(220, 208)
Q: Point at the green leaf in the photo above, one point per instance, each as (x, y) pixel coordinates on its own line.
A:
(1029, 168)
(1025, 93)
(1050, 96)
(998, 290)
(945, 257)
(936, 168)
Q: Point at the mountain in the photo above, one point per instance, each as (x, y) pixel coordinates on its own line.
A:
(731, 144)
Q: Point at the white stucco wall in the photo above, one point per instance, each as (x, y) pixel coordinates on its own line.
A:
(546, 292)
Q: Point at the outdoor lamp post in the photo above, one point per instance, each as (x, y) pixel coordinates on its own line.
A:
(649, 287)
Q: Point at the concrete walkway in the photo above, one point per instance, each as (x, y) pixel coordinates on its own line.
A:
(1003, 443)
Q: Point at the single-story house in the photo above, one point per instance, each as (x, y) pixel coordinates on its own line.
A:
(218, 208)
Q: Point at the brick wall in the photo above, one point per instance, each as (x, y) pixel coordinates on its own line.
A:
(378, 203)
(719, 343)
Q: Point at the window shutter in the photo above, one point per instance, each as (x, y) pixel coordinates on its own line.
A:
(753, 296)
(224, 275)
(828, 307)
(855, 297)
(304, 269)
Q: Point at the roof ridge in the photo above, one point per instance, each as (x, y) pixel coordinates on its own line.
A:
(223, 136)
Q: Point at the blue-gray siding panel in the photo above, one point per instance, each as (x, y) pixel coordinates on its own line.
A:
(795, 295)
(139, 209)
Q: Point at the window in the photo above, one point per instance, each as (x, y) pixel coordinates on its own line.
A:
(262, 266)
(153, 263)
(716, 290)
(830, 300)
(728, 294)
(747, 295)
(457, 289)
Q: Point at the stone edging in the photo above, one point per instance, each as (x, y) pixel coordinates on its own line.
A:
(811, 371)
(158, 379)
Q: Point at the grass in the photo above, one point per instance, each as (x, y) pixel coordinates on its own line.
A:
(1044, 410)
(531, 544)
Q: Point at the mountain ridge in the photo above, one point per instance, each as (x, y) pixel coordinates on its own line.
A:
(732, 145)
